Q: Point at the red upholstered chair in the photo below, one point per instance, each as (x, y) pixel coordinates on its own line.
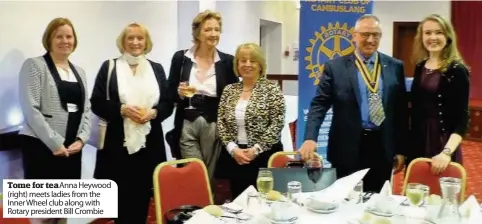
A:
(12, 220)
(102, 221)
(175, 187)
(151, 215)
(280, 159)
(418, 171)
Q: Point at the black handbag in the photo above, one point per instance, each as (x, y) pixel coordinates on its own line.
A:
(181, 214)
(173, 136)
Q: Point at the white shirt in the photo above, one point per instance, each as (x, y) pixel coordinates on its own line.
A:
(68, 76)
(206, 87)
(240, 113)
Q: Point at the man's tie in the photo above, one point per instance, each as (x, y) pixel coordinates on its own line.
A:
(375, 105)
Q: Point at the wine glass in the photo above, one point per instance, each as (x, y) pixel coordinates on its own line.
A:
(414, 194)
(426, 192)
(265, 182)
(314, 168)
(189, 92)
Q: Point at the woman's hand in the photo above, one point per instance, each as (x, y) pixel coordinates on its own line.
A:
(75, 147)
(251, 153)
(241, 156)
(132, 112)
(440, 163)
(62, 152)
(149, 115)
(181, 89)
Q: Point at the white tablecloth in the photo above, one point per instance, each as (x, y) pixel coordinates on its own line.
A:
(347, 213)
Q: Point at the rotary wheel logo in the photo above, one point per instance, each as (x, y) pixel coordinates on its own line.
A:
(333, 42)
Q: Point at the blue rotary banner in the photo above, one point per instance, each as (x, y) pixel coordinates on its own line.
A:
(326, 28)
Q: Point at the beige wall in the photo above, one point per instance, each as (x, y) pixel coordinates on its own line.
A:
(405, 11)
(286, 13)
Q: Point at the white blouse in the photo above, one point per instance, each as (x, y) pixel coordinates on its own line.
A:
(68, 76)
(240, 113)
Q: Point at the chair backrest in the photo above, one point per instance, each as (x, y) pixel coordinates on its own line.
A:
(11, 220)
(102, 221)
(280, 159)
(151, 212)
(15, 221)
(175, 187)
(419, 171)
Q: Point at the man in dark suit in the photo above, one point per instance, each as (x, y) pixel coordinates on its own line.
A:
(366, 91)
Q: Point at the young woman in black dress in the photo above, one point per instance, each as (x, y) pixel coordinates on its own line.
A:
(440, 95)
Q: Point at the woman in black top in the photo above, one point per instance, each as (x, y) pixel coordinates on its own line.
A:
(209, 71)
(134, 143)
(440, 95)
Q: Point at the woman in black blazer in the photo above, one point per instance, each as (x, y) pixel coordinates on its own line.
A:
(440, 95)
(134, 142)
(209, 70)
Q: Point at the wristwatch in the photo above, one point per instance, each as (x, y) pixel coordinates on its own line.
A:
(447, 152)
(258, 149)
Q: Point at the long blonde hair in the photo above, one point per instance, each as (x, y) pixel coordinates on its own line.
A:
(449, 54)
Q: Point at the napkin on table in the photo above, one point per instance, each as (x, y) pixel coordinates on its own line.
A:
(337, 192)
(384, 201)
(386, 189)
(470, 209)
(200, 217)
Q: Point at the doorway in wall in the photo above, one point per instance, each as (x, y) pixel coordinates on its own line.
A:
(270, 41)
(403, 36)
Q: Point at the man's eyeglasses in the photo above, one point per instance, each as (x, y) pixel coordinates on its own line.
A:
(366, 35)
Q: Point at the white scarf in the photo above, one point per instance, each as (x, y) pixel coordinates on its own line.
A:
(140, 90)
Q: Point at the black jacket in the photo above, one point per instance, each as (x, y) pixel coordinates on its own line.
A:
(224, 76)
(111, 112)
(339, 90)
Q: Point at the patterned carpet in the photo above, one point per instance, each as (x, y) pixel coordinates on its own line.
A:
(472, 160)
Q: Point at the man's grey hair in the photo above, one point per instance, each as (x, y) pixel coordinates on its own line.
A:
(363, 17)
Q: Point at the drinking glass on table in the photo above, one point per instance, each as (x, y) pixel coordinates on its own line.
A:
(253, 202)
(414, 194)
(356, 195)
(426, 192)
(265, 182)
(293, 187)
(314, 167)
(188, 91)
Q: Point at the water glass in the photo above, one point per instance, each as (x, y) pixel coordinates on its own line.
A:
(449, 210)
(282, 211)
(253, 202)
(426, 191)
(294, 187)
(414, 194)
(356, 195)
